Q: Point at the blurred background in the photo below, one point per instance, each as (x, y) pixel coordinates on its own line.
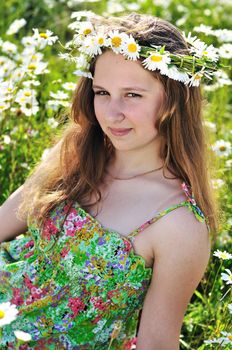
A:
(36, 87)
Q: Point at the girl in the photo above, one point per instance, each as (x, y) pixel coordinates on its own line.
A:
(118, 242)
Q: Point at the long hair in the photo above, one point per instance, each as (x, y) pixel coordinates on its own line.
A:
(75, 167)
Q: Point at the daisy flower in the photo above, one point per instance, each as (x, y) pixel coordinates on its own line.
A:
(82, 73)
(79, 14)
(23, 336)
(173, 73)
(44, 38)
(156, 61)
(217, 183)
(15, 26)
(8, 313)
(222, 255)
(227, 276)
(194, 80)
(201, 50)
(130, 48)
(69, 86)
(90, 46)
(4, 106)
(222, 148)
(116, 40)
(85, 28)
(225, 51)
(59, 95)
(9, 48)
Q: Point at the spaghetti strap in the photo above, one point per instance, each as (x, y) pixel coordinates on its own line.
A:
(189, 203)
(157, 217)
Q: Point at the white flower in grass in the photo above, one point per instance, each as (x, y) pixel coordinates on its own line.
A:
(23, 336)
(130, 48)
(9, 48)
(44, 38)
(226, 339)
(4, 106)
(69, 86)
(15, 26)
(202, 28)
(79, 14)
(227, 276)
(222, 255)
(230, 308)
(52, 122)
(217, 183)
(222, 148)
(29, 109)
(225, 51)
(33, 82)
(156, 61)
(36, 68)
(210, 125)
(29, 42)
(116, 40)
(8, 313)
(6, 139)
(59, 95)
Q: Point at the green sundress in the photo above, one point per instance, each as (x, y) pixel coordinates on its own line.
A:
(76, 284)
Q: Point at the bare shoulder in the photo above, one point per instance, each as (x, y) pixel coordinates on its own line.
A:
(179, 233)
(181, 247)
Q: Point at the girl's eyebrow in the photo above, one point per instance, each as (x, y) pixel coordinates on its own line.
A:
(129, 88)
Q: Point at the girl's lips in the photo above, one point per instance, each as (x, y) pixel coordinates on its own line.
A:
(120, 132)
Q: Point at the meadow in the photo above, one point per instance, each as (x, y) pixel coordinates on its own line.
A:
(36, 87)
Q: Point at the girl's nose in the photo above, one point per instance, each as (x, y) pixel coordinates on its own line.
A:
(115, 111)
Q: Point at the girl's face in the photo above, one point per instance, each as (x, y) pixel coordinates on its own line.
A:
(126, 101)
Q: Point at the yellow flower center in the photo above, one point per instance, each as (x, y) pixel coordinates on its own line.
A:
(116, 41)
(223, 256)
(198, 76)
(156, 58)
(31, 66)
(87, 31)
(230, 277)
(2, 314)
(132, 47)
(9, 89)
(43, 35)
(230, 337)
(34, 57)
(205, 53)
(27, 93)
(1, 107)
(100, 41)
(222, 148)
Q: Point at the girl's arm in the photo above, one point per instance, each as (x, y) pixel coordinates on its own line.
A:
(181, 249)
(10, 225)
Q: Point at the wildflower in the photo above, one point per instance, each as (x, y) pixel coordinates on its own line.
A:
(85, 28)
(194, 80)
(69, 86)
(210, 125)
(59, 95)
(217, 183)
(79, 14)
(201, 50)
(222, 255)
(90, 46)
(116, 40)
(8, 313)
(44, 38)
(9, 48)
(52, 122)
(6, 139)
(130, 48)
(23, 336)
(225, 51)
(173, 73)
(157, 60)
(222, 148)
(227, 276)
(82, 73)
(15, 26)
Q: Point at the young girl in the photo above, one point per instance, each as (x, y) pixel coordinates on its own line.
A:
(118, 242)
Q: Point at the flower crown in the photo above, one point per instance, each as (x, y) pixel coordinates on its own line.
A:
(88, 42)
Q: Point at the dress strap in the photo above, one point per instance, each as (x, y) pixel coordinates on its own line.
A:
(189, 203)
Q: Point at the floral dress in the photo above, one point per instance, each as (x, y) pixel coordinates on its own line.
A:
(75, 283)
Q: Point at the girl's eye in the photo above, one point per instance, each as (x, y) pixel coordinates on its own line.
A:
(103, 93)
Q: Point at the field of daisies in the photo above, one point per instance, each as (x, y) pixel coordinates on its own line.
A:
(36, 86)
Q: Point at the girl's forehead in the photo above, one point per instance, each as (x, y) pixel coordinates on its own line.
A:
(114, 66)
